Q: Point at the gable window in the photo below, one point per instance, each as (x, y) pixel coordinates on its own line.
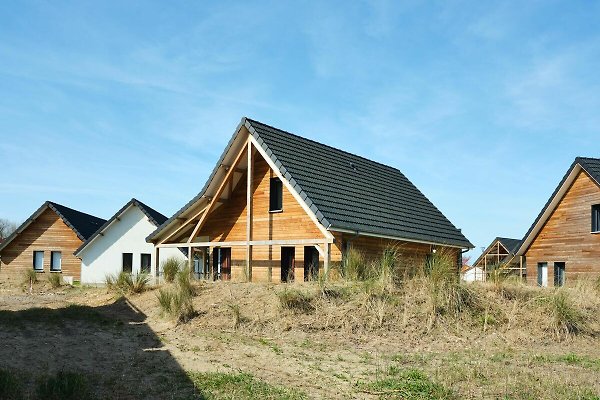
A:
(38, 260)
(596, 218)
(146, 260)
(276, 195)
(127, 262)
(55, 261)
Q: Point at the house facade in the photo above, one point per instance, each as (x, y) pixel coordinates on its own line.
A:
(501, 253)
(119, 245)
(45, 242)
(279, 207)
(563, 244)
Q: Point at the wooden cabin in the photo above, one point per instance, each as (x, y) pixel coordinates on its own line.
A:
(46, 241)
(280, 207)
(501, 253)
(563, 243)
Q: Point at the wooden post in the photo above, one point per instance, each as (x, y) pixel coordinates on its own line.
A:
(157, 264)
(327, 259)
(250, 174)
(190, 258)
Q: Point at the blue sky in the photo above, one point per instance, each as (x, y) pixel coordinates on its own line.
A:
(483, 105)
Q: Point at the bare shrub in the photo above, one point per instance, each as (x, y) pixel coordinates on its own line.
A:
(55, 280)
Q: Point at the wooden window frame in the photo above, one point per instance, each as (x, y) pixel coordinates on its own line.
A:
(595, 214)
(52, 255)
(275, 195)
(33, 260)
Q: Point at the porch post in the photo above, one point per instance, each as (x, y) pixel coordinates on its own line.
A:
(156, 263)
(327, 259)
(250, 174)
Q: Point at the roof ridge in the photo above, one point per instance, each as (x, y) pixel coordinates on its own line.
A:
(324, 144)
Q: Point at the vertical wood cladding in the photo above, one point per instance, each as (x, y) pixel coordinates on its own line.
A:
(47, 233)
(566, 236)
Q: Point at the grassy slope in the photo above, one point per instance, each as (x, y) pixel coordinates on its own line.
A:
(354, 343)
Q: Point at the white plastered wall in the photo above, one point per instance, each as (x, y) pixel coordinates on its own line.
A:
(104, 255)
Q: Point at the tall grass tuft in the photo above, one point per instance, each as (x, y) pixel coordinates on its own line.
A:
(63, 386)
(55, 280)
(139, 283)
(567, 319)
(296, 300)
(30, 278)
(176, 302)
(127, 283)
(170, 267)
(353, 265)
(165, 300)
(11, 387)
(184, 281)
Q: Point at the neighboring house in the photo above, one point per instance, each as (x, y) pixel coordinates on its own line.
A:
(279, 207)
(120, 244)
(45, 242)
(564, 241)
(472, 274)
(501, 253)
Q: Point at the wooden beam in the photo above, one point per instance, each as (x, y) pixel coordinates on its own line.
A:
(190, 258)
(249, 190)
(252, 243)
(156, 263)
(217, 193)
(183, 225)
(327, 259)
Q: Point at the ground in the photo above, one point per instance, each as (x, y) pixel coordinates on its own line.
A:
(127, 350)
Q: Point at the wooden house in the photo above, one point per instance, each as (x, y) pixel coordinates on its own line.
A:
(45, 242)
(119, 245)
(563, 243)
(279, 207)
(501, 253)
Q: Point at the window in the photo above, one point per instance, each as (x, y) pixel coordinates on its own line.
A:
(55, 261)
(38, 260)
(146, 261)
(127, 262)
(596, 218)
(559, 274)
(542, 274)
(276, 195)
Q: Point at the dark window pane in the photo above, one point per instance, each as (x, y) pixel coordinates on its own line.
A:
(127, 262)
(55, 261)
(276, 195)
(38, 260)
(596, 218)
(146, 261)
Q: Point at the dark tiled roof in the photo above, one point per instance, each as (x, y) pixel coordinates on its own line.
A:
(84, 225)
(350, 192)
(512, 245)
(154, 216)
(590, 165)
(346, 191)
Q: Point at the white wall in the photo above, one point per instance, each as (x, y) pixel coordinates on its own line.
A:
(474, 274)
(104, 255)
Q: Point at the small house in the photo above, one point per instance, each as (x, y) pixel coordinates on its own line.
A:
(501, 253)
(119, 245)
(279, 207)
(45, 242)
(563, 243)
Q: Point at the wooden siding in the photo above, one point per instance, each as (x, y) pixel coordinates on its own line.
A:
(228, 221)
(47, 233)
(566, 236)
